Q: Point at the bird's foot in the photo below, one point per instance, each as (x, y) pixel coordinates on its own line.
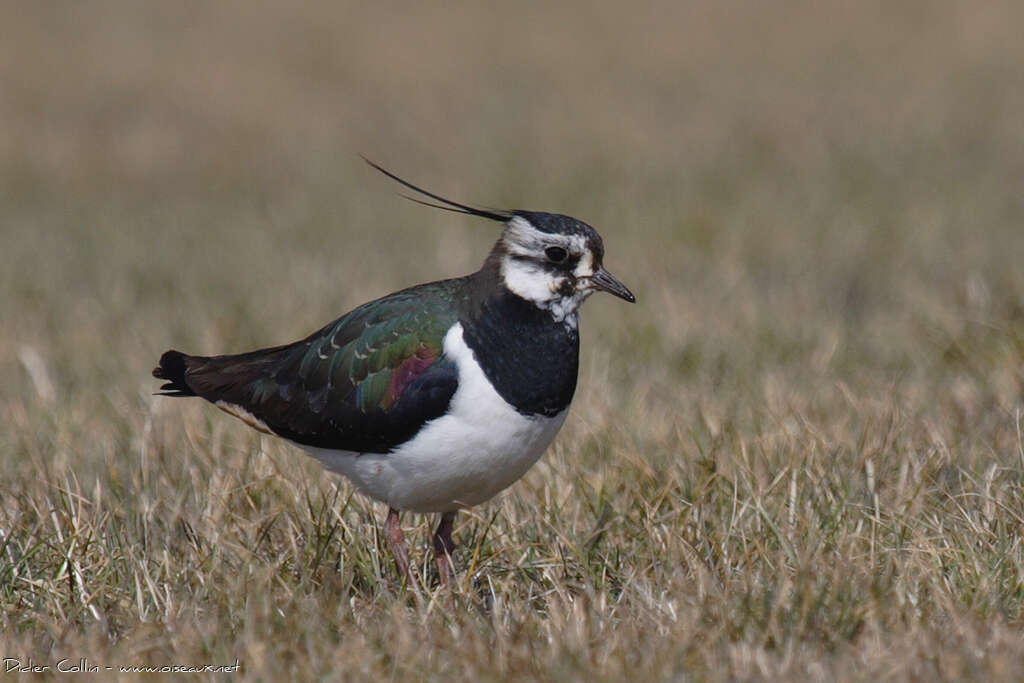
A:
(444, 546)
(396, 541)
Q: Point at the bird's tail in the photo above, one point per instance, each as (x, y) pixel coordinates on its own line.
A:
(172, 367)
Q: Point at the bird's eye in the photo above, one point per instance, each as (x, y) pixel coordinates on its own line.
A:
(556, 254)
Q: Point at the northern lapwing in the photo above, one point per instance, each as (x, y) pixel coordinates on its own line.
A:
(436, 397)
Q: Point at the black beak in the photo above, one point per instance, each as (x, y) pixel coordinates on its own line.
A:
(606, 282)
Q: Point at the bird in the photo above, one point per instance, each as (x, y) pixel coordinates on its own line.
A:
(435, 398)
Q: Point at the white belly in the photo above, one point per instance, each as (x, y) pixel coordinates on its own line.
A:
(458, 460)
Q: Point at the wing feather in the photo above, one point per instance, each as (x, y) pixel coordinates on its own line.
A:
(366, 382)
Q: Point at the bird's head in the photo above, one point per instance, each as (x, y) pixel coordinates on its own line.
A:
(551, 260)
(554, 261)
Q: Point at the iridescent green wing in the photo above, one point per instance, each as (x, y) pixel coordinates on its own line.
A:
(366, 382)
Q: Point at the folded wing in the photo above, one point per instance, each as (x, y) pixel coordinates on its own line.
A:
(366, 382)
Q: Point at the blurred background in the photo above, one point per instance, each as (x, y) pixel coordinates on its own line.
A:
(814, 190)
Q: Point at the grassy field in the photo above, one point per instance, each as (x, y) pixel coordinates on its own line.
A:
(798, 457)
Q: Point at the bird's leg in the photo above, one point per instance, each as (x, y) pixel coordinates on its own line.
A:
(443, 549)
(396, 541)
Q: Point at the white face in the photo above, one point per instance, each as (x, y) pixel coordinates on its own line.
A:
(553, 271)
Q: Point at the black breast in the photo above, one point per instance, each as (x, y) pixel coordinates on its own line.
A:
(531, 359)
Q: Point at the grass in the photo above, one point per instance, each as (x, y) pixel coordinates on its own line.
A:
(799, 456)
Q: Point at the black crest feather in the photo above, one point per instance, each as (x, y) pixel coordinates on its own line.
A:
(446, 204)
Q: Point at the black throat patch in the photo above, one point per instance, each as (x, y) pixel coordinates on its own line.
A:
(531, 359)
